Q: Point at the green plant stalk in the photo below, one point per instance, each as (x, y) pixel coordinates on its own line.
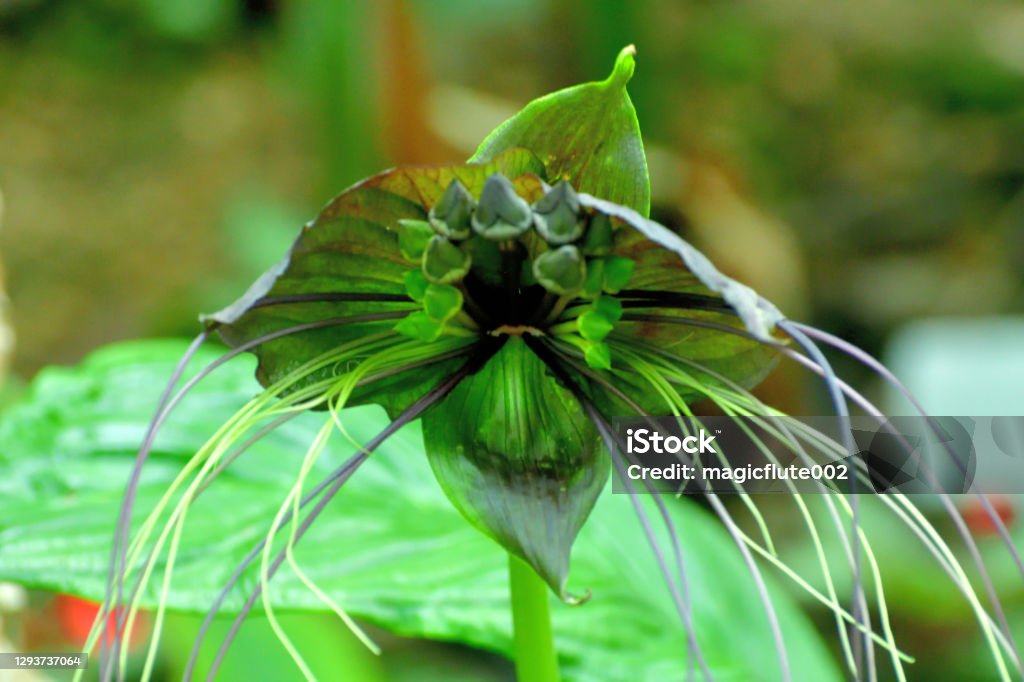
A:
(535, 657)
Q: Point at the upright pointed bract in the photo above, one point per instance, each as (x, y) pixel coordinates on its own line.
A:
(587, 134)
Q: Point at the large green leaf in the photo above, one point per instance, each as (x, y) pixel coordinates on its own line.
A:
(391, 549)
(587, 134)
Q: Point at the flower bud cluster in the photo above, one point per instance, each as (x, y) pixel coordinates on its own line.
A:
(566, 252)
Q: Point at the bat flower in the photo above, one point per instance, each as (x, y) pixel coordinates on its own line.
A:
(524, 282)
(515, 304)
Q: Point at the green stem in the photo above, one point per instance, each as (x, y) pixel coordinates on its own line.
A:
(536, 660)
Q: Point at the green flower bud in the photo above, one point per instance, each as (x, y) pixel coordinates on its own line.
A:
(442, 302)
(561, 271)
(413, 236)
(557, 215)
(416, 285)
(598, 239)
(617, 272)
(501, 214)
(593, 326)
(594, 284)
(598, 355)
(419, 326)
(610, 307)
(444, 262)
(450, 217)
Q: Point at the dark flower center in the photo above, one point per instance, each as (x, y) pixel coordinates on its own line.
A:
(501, 266)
